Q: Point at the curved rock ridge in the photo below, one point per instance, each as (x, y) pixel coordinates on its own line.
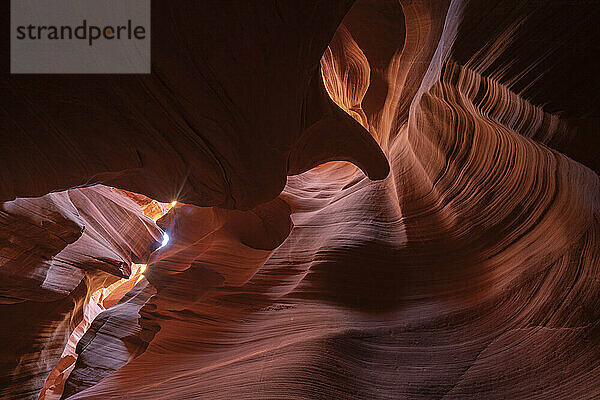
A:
(101, 354)
(468, 271)
(210, 248)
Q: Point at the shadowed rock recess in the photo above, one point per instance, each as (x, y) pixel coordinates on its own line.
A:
(379, 199)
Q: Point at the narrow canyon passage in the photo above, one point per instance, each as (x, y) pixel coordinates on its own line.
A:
(370, 199)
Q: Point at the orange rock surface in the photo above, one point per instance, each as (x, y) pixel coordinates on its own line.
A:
(311, 200)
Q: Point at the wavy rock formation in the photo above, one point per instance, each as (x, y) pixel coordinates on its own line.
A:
(468, 271)
(56, 251)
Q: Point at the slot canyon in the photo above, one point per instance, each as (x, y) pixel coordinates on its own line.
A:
(335, 199)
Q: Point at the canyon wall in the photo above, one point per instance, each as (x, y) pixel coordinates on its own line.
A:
(378, 200)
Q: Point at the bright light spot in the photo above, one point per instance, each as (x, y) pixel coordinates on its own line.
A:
(173, 203)
(142, 268)
(165, 240)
